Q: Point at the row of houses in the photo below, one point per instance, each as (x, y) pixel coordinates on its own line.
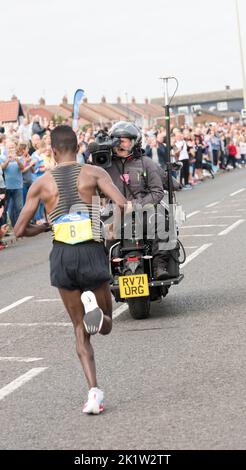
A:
(226, 104)
(96, 114)
(204, 107)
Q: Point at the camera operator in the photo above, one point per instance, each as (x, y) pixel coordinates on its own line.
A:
(136, 176)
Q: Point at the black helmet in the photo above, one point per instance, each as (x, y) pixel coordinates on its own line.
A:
(126, 129)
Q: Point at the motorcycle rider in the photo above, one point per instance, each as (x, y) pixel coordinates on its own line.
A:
(138, 179)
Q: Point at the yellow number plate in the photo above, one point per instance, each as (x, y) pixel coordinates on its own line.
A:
(133, 286)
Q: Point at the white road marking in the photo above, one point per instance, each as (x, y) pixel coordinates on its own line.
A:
(229, 229)
(120, 310)
(20, 359)
(213, 204)
(196, 253)
(190, 247)
(198, 235)
(15, 304)
(56, 323)
(191, 214)
(237, 192)
(21, 380)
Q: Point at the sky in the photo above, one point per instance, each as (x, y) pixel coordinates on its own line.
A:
(114, 48)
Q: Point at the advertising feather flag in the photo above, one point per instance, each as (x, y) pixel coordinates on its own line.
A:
(78, 96)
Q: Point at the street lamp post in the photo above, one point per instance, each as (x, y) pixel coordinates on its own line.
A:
(168, 138)
(241, 54)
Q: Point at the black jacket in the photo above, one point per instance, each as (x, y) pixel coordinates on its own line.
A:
(144, 181)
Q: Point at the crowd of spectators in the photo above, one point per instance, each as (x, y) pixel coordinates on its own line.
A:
(203, 150)
(25, 154)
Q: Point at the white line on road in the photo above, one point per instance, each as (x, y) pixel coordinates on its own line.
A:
(20, 359)
(120, 310)
(191, 247)
(196, 253)
(15, 304)
(237, 192)
(229, 229)
(213, 204)
(198, 235)
(191, 214)
(21, 380)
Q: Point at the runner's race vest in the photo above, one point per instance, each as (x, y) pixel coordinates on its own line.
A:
(71, 220)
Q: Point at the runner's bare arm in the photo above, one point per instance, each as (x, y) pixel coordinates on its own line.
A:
(106, 185)
(23, 226)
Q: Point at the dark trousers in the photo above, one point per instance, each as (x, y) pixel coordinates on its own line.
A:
(232, 160)
(14, 204)
(185, 170)
(215, 157)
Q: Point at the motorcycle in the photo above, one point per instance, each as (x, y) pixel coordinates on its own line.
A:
(132, 269)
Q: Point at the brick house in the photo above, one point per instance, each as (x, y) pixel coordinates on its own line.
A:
(11, 112)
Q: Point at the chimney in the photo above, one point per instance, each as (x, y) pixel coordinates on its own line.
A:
(42, 102)
(64, 100)
(119, 100)
(13, 98)
(227, 87)
(85, 100)
(103, 100)
(146, 101)
(133, 100)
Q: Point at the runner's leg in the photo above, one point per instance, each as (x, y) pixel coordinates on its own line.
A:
(74, 306)
(104, 301)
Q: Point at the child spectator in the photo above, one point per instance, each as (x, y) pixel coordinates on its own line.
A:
(232, 152)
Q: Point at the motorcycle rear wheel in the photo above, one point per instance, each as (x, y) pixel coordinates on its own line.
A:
(139, 308)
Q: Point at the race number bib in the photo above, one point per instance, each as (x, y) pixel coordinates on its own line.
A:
(73, 228)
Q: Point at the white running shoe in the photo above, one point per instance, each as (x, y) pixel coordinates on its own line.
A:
(93, 318)
(94, 404)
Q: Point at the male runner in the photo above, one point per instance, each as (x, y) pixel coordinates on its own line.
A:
(78, 264)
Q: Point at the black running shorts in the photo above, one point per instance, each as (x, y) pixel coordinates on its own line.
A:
(83, 266)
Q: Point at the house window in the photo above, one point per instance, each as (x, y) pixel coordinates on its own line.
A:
(222, 106)
(183, 110)
(195, 108)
